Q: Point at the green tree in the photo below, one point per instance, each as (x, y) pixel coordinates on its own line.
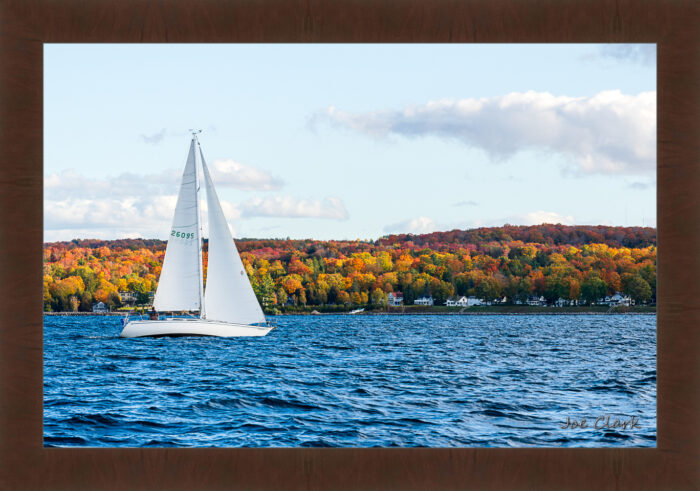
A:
(281, 296)
(648, 273)
(86, 302)
(510, 289)
(88, 276)
(542, 258)
(524, 289)
(409, 294)
(441, 291)
(637, 288)
(378, 297)
(264, 289)
(593, 288)
(489, 289)
(555, 288)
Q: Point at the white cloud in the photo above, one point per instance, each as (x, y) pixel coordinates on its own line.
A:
(290, 207)
(109, 217)
(132, 205)
(637, 53)
(640, 186)
(67, 234)
(69, 183)
(466, 203)
(420, 225)
(609, 133)
(531, 218)
(154, 138)
(538, 217)
(130, 217)
(75, 198)
(237, 175)
(128, 205)
(426, 225)
(225, 173)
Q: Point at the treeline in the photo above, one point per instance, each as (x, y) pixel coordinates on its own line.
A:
(547, 234)
(555, 261)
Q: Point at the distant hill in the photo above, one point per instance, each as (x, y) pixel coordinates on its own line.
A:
(551, 262)
(545, 234)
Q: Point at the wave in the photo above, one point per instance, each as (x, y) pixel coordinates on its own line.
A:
(281, 403)
(617, 388)
(94, 419)
(64, 440)
(128, 357)
(416, 421)
(224, 403)
(160, 443)
(614, 434)
(318, 443)
(150, 424)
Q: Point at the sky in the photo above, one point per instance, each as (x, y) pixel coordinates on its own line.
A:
(349, 141)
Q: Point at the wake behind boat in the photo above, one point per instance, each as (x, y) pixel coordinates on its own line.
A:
(228, 307)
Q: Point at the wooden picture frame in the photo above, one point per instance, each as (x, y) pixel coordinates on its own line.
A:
(25, 25)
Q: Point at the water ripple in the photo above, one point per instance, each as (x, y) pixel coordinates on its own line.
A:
(360, 381)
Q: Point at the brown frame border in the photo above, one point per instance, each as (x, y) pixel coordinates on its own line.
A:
(26, 24)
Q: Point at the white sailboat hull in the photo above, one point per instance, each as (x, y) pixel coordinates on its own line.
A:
(191, 327)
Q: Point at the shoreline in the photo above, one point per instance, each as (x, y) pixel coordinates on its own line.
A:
(117, 314)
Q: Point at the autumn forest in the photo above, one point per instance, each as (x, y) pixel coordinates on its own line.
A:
(582, 263)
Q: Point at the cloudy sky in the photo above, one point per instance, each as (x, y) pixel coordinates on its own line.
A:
(350, 141)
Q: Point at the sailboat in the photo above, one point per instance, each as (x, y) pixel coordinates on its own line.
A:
(228, 307)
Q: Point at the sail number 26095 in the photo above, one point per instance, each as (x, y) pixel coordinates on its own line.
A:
(182, 235)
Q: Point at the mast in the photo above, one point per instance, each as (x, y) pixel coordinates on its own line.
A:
(200, 239)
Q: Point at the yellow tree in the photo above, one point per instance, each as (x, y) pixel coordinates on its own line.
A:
(404, 263)
(291, 284)
(104, 288)
(384, 261)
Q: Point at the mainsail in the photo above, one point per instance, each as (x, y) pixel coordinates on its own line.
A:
(229, 296)
(180, 283)
(229, 307)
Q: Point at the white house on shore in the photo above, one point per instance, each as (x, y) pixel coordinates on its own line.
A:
(100, 307)
(536, 301)
(424, 301)
(561, 302)
(495, 301)
(395, 299)
(618, 299)
(456, 302)
(463, 301)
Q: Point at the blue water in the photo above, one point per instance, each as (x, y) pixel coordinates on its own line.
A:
(355, 381)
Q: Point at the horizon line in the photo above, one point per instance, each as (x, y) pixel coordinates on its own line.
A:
(370, 239)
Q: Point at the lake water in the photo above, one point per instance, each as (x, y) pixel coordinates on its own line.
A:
(356, 381)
